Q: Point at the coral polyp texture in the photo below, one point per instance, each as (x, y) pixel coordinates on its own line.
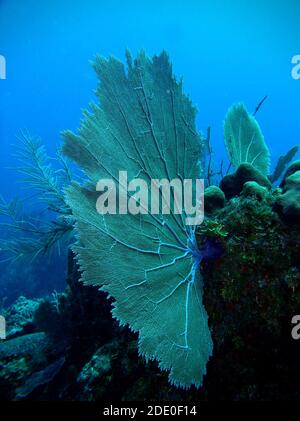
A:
(149, 264)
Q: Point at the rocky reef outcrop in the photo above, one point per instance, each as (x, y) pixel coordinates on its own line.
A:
(214, 199)
(232, 184)
(252, 291)
(288, 202)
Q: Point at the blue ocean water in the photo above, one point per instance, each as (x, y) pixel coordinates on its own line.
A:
(226, 51)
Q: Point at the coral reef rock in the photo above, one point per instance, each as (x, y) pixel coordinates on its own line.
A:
(19, 316)
(288, 203)
(232, 184)
(214, 199)
(252, 188)
(95, 370)
(294, 167)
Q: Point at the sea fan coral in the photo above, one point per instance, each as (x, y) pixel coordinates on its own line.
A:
(148, 263)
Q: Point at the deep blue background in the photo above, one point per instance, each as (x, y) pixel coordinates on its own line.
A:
(227, 51)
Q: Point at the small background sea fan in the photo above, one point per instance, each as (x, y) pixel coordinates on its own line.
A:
(47, 226)
(244, 140)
